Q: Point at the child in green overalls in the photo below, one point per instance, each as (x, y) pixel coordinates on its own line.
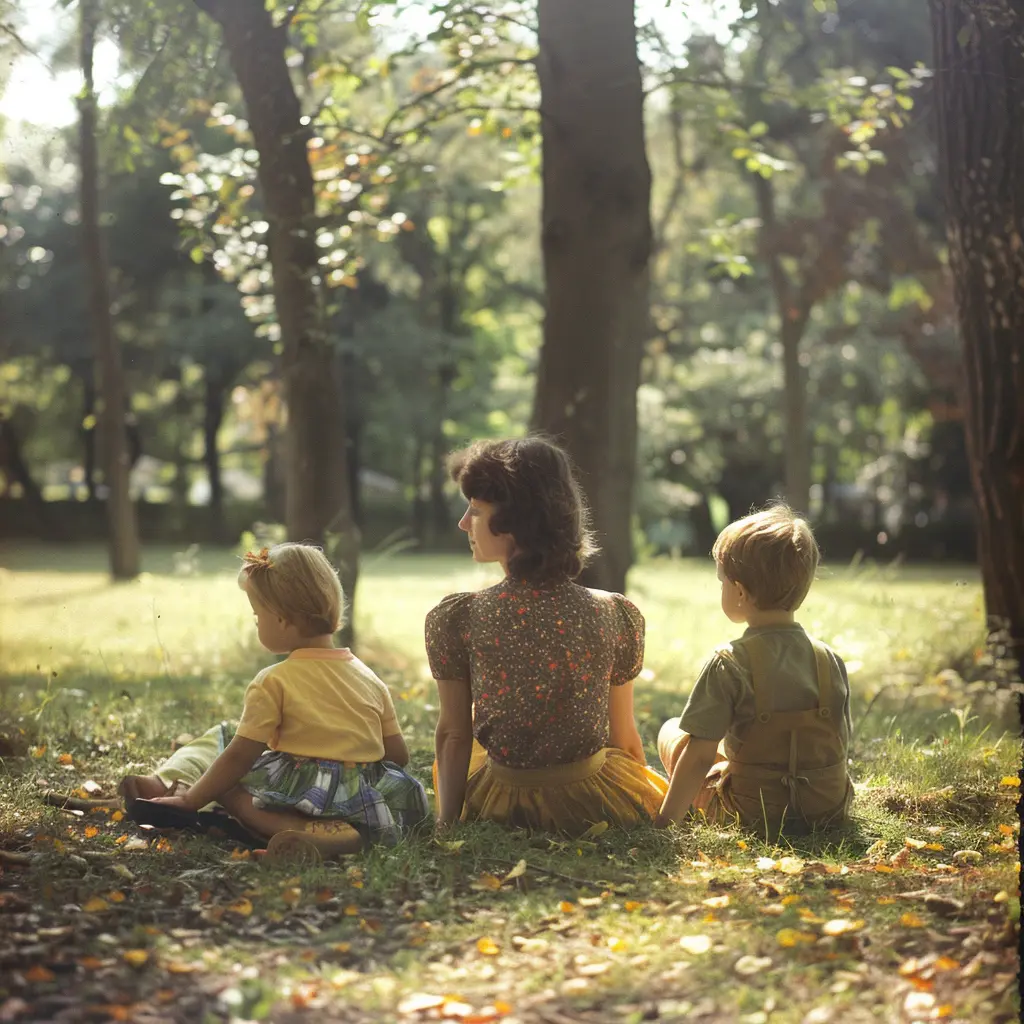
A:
(764, 735)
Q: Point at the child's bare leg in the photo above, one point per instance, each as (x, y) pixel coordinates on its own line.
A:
(330, 837)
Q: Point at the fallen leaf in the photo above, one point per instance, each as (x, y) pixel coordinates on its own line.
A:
(717, 902)
(885, 901)
(116, 896)
(741, 844)
(790, 937)
(488, 947)
(748, 965)
(631, 905)
(291, 896)
(915, 844)
(788, 901)
(488, 881)
(911, 920)
(342, 947)
(934, 846)
(765, 863)
(38, 973)
(68, 759)
(595, 830)
(135, 957)
(419, 1001)
(242, 907)
(841, 926)
(791, 865)
(351, 910)
(566, 907)
(177, 967)
(695, 944)
(900, 858)
(593, 970)
(91, 831)
(1010, 780)
(136, 845)
(517, 872)
(117, 816)
(96, 905)
(90, 963)
(616, 945)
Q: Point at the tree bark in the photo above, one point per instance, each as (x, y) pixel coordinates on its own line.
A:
(596, 240)
(214, 390)
(110, 386)
(793, 315)
(317, 499)
(979, 54)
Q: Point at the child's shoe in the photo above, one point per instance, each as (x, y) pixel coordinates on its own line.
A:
(318, 841)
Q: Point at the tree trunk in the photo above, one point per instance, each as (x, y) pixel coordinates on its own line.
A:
(793, 316)
(596, 240)
(979, 55)
(214, 389)
(88, 432)
(110, 386)
(317, 500)
(15, 469)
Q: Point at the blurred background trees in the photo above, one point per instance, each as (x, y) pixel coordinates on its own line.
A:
(340, 249)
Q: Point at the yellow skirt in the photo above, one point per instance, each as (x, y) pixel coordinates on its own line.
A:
(608, 786)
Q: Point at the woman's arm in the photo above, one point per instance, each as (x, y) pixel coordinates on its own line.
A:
(396, 750)
(687, 777)
(453, 744)
(224, 774)
(622, 723)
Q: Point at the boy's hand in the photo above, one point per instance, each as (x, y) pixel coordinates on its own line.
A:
(181, 802)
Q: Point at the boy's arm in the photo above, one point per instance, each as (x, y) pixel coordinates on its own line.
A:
(224, 774)
(687, 777)
(623, 732)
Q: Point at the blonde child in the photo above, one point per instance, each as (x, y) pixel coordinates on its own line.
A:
(778, 700)
(315, 762)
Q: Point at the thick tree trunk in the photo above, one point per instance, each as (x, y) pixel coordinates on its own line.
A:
(110, 387)
(979, 55)
(596, 239)
(317, 496)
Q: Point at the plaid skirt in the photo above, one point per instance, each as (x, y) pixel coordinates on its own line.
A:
(380, 800)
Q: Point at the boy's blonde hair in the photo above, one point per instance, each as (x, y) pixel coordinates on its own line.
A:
(773, 554)
(297, 582)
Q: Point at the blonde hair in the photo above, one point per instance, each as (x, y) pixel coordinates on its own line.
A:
(773, 554)
(297, 582)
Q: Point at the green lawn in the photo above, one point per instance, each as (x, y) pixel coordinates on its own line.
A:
(909, 914)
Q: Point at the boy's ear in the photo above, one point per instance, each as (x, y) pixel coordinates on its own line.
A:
(744, 594)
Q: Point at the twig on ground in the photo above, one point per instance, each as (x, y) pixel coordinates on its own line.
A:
(77, 803)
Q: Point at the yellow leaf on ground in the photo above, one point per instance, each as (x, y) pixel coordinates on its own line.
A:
(488, 947)
(915, 844)
(841, 926)
(242, 907)
(717, 902)
(595, 830)
(741, 844)
(788, 901)
(791, 865)
(96, 905)
(885, 901)
(517, 872)
(135, 957)
(1007, 830)
(934, 846)
(116, 896)
(66, 759)
(342, 947)
(566, 907)
(420, 1001)
(351, 910)
(1010, 780)
(488, 881)
(911, 920)
(790, 937)
(946, 963)
(117, 816)
(631, 905)
(695, 944)
(616, 945)
(177, 967)
(91, 831)
(291, 895)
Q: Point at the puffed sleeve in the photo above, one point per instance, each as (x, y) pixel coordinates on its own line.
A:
(261, 712)
(447, 638)
(711, 708)
(629, 641)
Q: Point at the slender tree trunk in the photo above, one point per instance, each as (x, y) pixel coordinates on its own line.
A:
(214, 390)
(979, 55)
(317, 494)
(596, 240)
(88, 433)
(793, 316)
(110, 386)
(16, 470)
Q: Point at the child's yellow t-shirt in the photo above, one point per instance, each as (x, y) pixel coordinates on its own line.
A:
(322, 703)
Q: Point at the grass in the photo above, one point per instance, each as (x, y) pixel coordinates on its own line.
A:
(909, 913)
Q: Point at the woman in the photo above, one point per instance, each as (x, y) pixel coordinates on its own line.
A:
(535, 674)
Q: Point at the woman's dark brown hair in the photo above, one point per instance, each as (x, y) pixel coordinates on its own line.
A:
(537, 500)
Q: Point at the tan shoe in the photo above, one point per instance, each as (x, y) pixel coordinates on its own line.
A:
(319, 841)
